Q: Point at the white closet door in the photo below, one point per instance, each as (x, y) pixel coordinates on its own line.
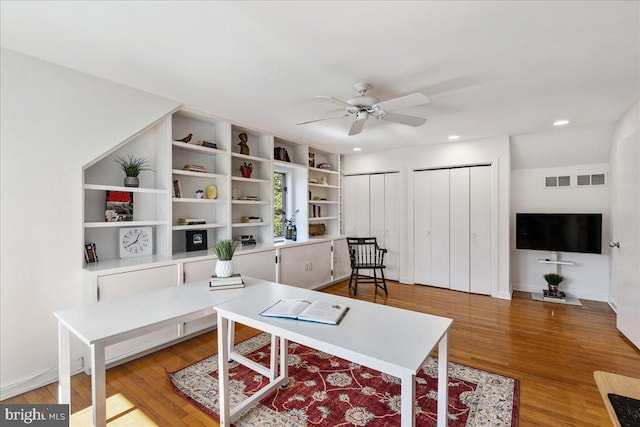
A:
(356, 205)
(376, 207)
(480, 228)
(392, 203)
(422, 227)
(440, 228)
(459, 229)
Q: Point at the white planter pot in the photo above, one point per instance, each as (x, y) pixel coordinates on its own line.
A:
(224, 268)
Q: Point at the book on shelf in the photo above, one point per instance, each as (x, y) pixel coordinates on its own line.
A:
(208, 144)
(251, 198)
(195, 168)
(310, 311)
(118, 206)
(90, 253)
(191, 221)
(234, 279)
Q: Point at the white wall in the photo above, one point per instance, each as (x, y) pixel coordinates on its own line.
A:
(489, 150)
(54, 121)
(589, 277)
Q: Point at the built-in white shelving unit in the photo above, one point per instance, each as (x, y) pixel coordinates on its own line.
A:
(242, 205)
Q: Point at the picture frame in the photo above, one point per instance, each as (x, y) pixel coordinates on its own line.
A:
(196, 240)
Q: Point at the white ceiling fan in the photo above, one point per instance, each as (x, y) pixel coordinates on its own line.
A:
(363, 106)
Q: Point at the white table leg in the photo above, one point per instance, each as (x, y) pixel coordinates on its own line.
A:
(64, 365)
(443, 381)
(408, 399)
(98, 385)
(284, 350)
(232, 335)
(273, 358)
(223, 370)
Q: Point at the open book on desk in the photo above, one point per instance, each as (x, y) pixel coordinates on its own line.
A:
(310, 311)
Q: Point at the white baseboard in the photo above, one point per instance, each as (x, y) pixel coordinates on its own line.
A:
(39, 380)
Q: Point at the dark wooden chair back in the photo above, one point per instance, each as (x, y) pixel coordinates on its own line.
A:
(365, 254)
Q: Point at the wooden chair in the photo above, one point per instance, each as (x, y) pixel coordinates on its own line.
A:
(366, 255)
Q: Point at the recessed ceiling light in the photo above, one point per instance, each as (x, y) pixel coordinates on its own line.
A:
(453, 137)
(357, 149)
(561, 122)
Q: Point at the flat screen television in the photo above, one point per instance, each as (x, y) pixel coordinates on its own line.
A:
(559, 232)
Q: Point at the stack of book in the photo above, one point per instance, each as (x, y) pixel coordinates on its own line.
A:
(194, 168)
(191, 221)
(245, 239)
(251, 198)
(246, 219)
(218, 283)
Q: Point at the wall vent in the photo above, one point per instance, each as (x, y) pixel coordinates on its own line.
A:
(557, 181)
(580, 180)
(595, 179)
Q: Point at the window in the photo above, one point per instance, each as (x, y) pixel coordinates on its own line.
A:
(279, 203)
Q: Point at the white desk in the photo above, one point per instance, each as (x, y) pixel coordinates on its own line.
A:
(105, 323)
(387, 339)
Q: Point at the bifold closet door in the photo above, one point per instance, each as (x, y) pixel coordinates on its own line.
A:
(376, 207)
(422, 227)
(392, 212)
(431, 227)
(356, 205)
(459, 229)
(480, 228)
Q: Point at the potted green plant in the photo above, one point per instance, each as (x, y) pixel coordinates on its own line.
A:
(132, 166)
(553, 280)
(224, 250)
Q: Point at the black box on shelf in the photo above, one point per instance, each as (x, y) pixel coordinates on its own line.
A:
(196, 240)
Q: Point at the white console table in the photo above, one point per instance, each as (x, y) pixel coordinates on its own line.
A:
(387, 339)
(109, 322)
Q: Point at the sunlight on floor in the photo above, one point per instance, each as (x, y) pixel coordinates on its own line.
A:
(120, 413)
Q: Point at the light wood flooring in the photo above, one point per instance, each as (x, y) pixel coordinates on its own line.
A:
(552, 349)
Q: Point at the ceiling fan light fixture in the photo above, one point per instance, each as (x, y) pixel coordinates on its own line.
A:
(362, 115)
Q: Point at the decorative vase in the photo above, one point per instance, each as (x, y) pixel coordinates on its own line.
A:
(224, 268)
(131, 181)
(245, 171)
(212, 192)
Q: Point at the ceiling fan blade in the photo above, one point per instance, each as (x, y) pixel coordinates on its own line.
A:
(326, 118)
(404, 119)
(356, 127)
(335, 100)
(403, 102)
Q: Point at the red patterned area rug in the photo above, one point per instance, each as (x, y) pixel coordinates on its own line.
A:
(325, 390)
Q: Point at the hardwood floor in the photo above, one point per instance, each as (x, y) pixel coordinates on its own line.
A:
(552, 349)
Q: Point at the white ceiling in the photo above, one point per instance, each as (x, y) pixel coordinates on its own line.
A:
(489, 68)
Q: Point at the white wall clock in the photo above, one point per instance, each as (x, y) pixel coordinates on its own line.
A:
(136, 241)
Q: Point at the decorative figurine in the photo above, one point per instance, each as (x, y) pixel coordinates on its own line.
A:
(199, 194)
(186, 139)
(244, 148)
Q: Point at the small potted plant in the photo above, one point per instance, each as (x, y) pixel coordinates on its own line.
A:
(224, 250)
(553, 280)
(132, 166)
